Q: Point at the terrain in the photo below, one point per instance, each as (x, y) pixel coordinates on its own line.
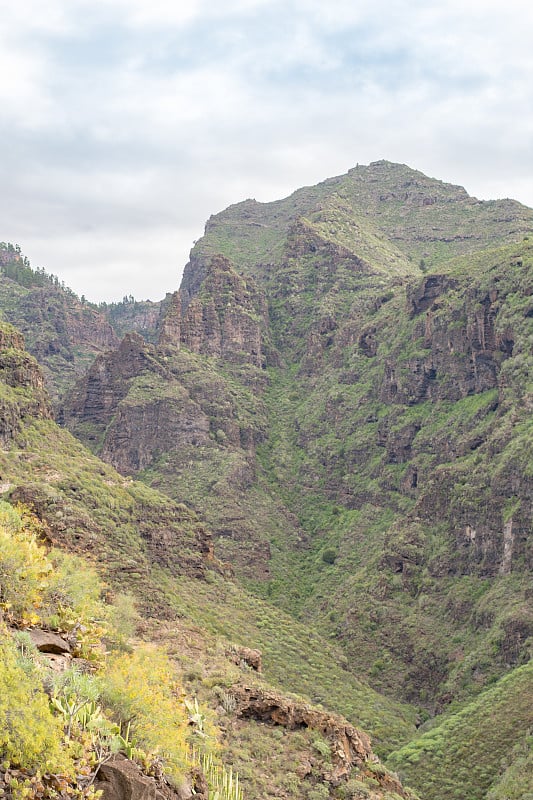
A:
(334, 412)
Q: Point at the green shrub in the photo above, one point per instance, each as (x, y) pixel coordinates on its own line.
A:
(320, 792)
(140, 689)
(329, 555)
(30, 735)
(322, 747)
(23, 567)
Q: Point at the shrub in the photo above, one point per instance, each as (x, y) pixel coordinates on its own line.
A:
(47, 588)
(141, 690)
(30, 736)
(329, 555)
(322, 747)
(320, 792)
(23, 567)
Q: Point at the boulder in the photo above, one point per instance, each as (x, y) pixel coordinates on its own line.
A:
(122, 779)
(245, 655)
(48, 642)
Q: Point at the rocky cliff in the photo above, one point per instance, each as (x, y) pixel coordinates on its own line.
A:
(341, 388)
(389, 436)
(22, 385)
(228, 319)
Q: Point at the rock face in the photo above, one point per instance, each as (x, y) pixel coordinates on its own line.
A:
(103, 389)
(350, 747)
(464, 350)
(24, 394)
(48, 642)
(106, 383)
(134, 316)
(143, 405)
(225, 320)
(248, 656)
(63, 333)
(122, 779)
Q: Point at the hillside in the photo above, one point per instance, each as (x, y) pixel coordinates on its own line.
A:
(447, 754)
(340, 394)
(160, 554)
(345, 406)
(62, 331)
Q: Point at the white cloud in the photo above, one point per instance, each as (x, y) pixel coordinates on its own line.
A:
(127, 123)
(135, 262)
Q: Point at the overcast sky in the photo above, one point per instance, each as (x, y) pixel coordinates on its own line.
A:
(125, 123)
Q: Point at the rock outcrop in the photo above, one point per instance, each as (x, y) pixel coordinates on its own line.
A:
(227, 319)
(350, 747)
(247, 656)
(24, 394)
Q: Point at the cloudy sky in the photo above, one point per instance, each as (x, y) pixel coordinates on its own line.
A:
(125, 123)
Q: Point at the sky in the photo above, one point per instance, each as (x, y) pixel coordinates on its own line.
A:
(125, 124)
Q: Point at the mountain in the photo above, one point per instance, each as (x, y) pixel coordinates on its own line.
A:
(63, 332)
(341, 392)
(155, 556)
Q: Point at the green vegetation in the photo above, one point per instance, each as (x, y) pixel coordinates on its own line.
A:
(466, 753)
(67, 724)
(16, 266)
(369, 489)
(30, 735)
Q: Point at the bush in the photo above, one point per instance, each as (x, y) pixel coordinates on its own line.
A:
(49, 588)
(354, 790)
(322, 747)
(23, 567)
(320, 792)
(141, 690)
(30, 736)
(329, 555)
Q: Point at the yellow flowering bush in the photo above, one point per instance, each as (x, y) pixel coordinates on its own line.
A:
(142, 690)
(30, 735)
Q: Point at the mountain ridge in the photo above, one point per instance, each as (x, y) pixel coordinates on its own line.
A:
(341, 390)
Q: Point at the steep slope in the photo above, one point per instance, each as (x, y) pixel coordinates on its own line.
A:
(342, 389)
(63, 332)
(143, 543)
(419, 492)
(448, 754)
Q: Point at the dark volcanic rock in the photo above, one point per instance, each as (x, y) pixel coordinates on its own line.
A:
(224, 321)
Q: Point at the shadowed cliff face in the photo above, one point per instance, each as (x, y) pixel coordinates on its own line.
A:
(341, 388)
(228, 319)
(170, 411)
(61, 332)
(22, 391)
